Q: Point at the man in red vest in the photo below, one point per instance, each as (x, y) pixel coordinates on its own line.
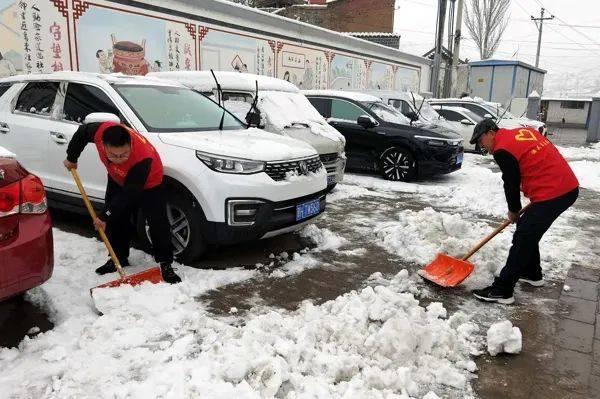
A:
(530, 163)
(135, 175)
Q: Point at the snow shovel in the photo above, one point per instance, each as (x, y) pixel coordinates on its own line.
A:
(152, 275)
(447, 271)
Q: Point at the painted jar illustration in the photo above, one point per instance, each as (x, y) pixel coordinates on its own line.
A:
(129, 57)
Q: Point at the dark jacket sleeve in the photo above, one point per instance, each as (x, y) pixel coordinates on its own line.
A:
(84, 135)
(131, 191)
(511, 174)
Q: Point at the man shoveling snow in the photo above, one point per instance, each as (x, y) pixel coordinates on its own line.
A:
(531, 163)
(135, 175)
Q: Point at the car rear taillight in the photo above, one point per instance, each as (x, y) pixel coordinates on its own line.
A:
(24, 196)
(33, 196)
(10, 199)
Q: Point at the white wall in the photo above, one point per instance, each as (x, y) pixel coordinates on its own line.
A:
(556, 113)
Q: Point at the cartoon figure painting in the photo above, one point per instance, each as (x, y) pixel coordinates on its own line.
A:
(105, 61)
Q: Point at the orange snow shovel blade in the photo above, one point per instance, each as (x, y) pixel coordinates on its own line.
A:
(447, 271)
(152, 275)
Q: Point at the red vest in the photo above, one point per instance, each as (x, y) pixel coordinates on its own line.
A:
(545, 174)
(140, 150)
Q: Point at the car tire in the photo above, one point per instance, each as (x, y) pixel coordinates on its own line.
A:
(397, 164)
(185, 214)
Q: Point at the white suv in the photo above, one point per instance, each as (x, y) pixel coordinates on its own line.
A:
(284, 110)
(226, 183)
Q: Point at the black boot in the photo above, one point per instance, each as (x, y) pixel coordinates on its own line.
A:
(168, 273)
(109, 267)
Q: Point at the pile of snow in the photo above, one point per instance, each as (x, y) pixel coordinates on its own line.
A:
(591, 153)
(588, 174)
(325, 239)
(503, 337)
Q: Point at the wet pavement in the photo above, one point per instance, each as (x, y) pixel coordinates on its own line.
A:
(561, 330)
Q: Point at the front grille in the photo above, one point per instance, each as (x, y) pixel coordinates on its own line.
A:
(330, 162)
(278, 170)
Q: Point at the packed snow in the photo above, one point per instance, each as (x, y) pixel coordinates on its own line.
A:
(502, 337)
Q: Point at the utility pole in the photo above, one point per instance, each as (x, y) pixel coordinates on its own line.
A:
(456, 49)
(448, 68)
(437, 58)
(540, 25)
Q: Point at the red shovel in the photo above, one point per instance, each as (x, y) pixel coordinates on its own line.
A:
(152, 275)
(447, 271)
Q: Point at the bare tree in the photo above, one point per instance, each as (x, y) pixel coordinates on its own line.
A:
(486, 21)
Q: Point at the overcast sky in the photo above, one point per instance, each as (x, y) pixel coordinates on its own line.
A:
(570, 54)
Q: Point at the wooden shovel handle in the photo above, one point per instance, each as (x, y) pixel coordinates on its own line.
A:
(90, 209)
(492, 235)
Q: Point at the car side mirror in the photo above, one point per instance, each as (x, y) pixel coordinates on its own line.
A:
(253, 118)
(99, 117)
(412, 116)
(366, 121)
(467, 122)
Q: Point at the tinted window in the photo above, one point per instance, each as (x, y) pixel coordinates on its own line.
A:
(37, 98)
(4, 88)
(341, 109)
(451, 115)
(323, 105)
(476, 109)
(82, 100)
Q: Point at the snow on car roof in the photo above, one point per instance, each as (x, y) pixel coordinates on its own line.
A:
(463, 99)
(204, 81)
(90, 77)
(352, 95)
(395, 94)
(4, 153)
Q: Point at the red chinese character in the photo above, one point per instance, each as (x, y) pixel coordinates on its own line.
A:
(57, 66)
(56, 50)
(55, 30)
(187, 49)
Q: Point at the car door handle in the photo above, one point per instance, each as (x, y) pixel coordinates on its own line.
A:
(4, 128)
(59, 138)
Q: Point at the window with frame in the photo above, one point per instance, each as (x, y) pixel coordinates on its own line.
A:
(82, 100)
(572, 104)
(37, 98)
(451, 116)
(345, 110)
(323, 105)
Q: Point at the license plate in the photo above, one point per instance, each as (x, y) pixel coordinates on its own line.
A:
(459, 158)
(308, 209)
(330, 179)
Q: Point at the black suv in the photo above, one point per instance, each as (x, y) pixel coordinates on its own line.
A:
(381, 139)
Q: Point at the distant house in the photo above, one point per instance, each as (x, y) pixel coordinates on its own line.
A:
(567, 111)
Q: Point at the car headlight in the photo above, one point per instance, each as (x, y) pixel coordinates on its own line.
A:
(220, 163)
(433, 141)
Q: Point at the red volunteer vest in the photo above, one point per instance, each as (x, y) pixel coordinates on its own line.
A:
(140, 150)
(545, 174)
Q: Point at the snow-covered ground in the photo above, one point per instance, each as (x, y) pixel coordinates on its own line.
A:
(376, 342)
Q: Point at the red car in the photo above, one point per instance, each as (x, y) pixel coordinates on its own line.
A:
(26, 245)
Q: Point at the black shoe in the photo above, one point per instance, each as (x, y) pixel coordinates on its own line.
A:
(109, 267)
(494, 294)
(168, 274)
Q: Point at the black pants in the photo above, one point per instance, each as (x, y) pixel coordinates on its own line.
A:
(524, 255)
(120, 228)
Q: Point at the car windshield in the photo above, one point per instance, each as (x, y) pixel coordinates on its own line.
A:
(175, 109)
(388, 114)
(474, 117)
(427, 111)
(500, 111)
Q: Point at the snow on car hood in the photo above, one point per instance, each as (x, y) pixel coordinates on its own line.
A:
(252, 143)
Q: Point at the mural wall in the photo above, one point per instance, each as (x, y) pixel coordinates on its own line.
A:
(52, 35)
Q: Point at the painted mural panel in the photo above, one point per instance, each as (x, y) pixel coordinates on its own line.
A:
(34, 37)
(348, 73)
(225, 51)
(381, 76)
(407, 79)
(111, 40)
(304, 67)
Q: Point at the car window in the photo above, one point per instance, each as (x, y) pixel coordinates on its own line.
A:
(175, 109)
(452, 116)
(341, 109)
(82, 100)
(4, 88)
(323, 105)
(238, 97)
(476, 109)
(37, 98)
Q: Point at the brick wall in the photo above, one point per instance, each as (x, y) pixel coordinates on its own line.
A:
(347, 15)
(389, 41)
